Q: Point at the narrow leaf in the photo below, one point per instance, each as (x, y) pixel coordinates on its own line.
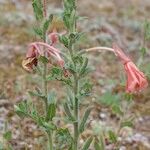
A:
(51, 111)
(68, 112)
(84, 119)
(87, 143)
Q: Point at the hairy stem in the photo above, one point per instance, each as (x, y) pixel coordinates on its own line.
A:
(49, 133)
(76, 113)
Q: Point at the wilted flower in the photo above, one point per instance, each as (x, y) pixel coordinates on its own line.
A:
(37, 49)
(136, 80)
(31, 57)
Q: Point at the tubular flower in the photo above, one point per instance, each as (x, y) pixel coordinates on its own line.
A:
(40, 49)
(136, 80)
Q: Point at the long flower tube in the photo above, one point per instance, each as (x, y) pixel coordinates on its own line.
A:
(35, 50)
(136, 80)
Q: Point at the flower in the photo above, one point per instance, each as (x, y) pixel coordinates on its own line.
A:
(31, 57)
(37, 49)
(136, 80)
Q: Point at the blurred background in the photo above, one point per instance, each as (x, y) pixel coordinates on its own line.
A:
(120, 21)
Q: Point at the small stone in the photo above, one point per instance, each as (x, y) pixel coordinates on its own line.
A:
(103, 115)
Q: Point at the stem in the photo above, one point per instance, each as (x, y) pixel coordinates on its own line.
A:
(76, 102)
(76, 113)
(50, 141)
(45, 88)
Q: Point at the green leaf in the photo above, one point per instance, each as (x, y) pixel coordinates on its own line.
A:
(112, 136)
(83, 67)
(55, 73)
(47, 23)
(51, 97)
(43, 59)
(99, 144)
(63, 139)
(7, 135)
(35, 93)
(64, 40)
(38, 9)
(117, 110)
(51, 111)
(84, 119)
(68, 112)
(87, 143)
(110, 99)
(38, 31)
(21, 110)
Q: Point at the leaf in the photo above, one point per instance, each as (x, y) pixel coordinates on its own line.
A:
(51, 111)
(38, 31)
(87, 143)
(7, 135)
(38, 9)
(64, 40)
(35, 93)
(109, 99)
(84, 119)
(112, 136)
(117, 110)
(83, 67)
(51, 97)
(68, 112)
(47, 23)
(63, 138)
(99, 144)
(43, 59)
(20, 110)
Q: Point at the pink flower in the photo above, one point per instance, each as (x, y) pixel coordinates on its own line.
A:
(136, 80)
(37, 49)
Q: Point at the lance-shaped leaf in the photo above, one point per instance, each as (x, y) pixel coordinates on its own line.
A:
(68, 112)
(36, 94)
(84, 120)
(21, 110)
(87, 143)
(51, 111)
(38, 9)
(83, 67)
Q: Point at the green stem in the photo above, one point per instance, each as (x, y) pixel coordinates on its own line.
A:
(76, 113)
(50, 141)
(76, 102)
(45, 88)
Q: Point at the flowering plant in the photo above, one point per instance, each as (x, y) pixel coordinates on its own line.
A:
(71, 69)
